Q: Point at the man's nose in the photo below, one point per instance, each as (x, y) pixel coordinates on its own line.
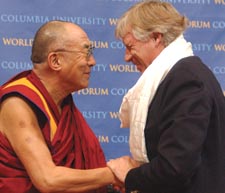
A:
(127, 56)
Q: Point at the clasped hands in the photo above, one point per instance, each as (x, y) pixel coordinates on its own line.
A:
(121, 166)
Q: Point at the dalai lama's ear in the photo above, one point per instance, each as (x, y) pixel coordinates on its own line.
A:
(54, 61)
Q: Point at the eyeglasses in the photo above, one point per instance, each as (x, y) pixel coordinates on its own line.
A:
(90, 48)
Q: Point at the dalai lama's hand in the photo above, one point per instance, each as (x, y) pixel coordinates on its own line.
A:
(121, 166)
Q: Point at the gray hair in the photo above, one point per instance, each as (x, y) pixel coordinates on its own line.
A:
(145, 18)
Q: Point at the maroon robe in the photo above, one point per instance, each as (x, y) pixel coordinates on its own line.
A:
(73, 144)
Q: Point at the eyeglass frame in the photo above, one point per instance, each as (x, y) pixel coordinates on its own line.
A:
(90, 48)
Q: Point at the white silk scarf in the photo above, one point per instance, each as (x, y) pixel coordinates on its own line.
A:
(135, 104)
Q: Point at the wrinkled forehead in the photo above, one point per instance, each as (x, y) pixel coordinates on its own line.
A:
(77, 36)
(85, 42)
(82, 42)
(128, 38)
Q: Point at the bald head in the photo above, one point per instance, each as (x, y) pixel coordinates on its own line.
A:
(55, 35)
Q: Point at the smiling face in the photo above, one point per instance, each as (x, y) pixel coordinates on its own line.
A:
(142, 53)
(78, 64)
(77, 68)
(73, 59)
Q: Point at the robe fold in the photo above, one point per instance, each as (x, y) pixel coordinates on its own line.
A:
(69, 138)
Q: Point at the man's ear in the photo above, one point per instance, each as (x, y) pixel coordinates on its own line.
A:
(157, 38)
(54, 61)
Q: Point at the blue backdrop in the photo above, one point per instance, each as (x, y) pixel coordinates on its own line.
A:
(111, 77)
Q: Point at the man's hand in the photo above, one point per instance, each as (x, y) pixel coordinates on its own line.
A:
(121, 166)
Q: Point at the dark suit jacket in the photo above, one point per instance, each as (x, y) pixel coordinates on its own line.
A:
(184, 134)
